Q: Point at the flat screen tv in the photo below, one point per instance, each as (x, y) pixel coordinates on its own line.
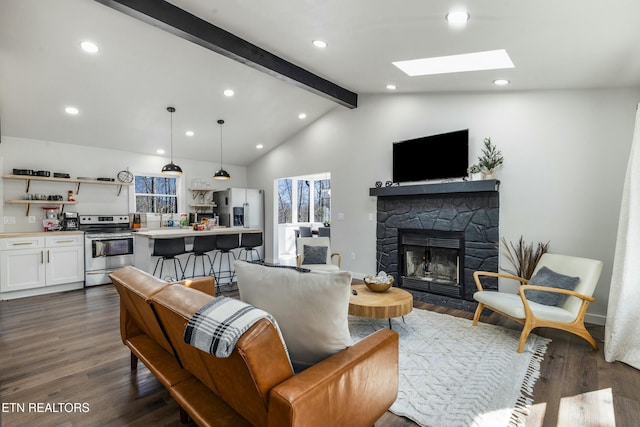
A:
(431, 157)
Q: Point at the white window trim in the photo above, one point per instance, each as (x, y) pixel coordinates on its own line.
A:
(294, 196)
(179, 190)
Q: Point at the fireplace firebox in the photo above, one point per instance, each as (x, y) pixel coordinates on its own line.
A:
(432, 261)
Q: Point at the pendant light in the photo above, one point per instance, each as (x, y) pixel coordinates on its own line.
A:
(171, 168)
(221, 174)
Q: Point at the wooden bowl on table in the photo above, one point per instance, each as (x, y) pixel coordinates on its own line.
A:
(378, 287)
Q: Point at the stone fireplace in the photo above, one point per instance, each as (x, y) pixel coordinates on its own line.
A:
(432, 237)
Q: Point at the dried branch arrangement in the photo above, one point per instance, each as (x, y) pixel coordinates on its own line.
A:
(523, 257)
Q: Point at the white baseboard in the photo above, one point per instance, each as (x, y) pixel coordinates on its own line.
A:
(595, 319)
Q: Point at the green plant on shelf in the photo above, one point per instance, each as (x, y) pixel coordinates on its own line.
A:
(491, 158)
(475, 168)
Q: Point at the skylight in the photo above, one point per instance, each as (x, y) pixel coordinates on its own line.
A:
(488, 60)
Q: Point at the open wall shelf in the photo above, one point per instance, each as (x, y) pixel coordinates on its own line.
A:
(29, 178)
(28, 203)
(61, 203)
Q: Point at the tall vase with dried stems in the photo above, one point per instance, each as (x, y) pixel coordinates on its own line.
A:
(523, 257)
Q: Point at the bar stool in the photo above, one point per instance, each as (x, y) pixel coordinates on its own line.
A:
(201, 245)
(168, 249)
(225, 243)
(249, 242)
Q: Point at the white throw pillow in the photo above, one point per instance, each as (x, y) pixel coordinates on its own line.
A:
(311, 308)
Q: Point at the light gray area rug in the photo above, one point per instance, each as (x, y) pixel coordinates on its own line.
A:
(455, 374)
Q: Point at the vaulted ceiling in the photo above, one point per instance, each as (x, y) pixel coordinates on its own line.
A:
(122, 91)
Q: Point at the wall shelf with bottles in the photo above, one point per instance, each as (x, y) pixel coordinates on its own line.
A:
(40, 202)
(29, 178)
(200, 191)
(200, 207)
(199, 196)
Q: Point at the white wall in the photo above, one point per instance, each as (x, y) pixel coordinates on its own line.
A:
(81, 161)
(565, 160)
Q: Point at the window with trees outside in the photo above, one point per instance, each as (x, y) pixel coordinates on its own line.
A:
(304, 199)
(156, 194)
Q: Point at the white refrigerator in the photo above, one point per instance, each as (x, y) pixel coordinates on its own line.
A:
(240, 207)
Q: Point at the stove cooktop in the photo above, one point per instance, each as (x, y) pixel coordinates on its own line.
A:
(104, 223)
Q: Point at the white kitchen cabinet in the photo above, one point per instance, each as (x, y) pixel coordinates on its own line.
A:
(22, 263)
(64, 259)
(38, 264)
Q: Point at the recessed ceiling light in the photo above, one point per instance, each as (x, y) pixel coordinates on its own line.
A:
(228, 92)
(501, 82)
(259, 146)
(89, 47)
(302, 116)
(392, 87)
(457, 18)
(320, 44)
(160, 151)
(71, 110)
(189, 133)
(488, 60)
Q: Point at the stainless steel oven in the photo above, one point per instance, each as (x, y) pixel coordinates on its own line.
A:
(108, 246)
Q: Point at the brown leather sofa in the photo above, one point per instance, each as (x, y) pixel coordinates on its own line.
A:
(255, 386)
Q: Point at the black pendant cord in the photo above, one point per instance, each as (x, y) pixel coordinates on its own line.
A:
(220, 122)
(221, 174)
(171, 110)
(171, 168)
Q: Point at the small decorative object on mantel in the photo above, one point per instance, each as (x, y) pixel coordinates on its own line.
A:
(475, 172)
(378, 184)
(379, 283)
(491, 158)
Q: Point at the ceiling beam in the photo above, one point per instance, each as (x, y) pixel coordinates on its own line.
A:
(168, 17)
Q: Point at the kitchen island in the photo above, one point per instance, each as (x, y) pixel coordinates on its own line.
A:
(145, 238)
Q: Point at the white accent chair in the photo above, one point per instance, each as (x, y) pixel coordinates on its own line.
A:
(568, 315)
(327, 263)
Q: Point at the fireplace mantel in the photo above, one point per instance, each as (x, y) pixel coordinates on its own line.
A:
(439, 188)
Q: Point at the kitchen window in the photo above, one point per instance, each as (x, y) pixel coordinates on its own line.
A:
(156, 194)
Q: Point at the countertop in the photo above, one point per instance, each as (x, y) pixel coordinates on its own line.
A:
(40, 233)
(168, 233)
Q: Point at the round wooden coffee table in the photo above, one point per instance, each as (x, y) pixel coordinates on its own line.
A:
(394, 302)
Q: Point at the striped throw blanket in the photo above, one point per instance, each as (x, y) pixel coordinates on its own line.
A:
(217, 326)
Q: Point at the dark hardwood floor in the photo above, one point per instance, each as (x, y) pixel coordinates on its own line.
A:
(62, 364)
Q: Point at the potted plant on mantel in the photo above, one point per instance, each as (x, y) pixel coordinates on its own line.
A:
(475, 172)
(491, 158)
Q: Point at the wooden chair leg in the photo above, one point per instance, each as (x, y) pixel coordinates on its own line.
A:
(476, 316)
(587, 336)
(134, 362)
(526, 330)
(581, 331)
